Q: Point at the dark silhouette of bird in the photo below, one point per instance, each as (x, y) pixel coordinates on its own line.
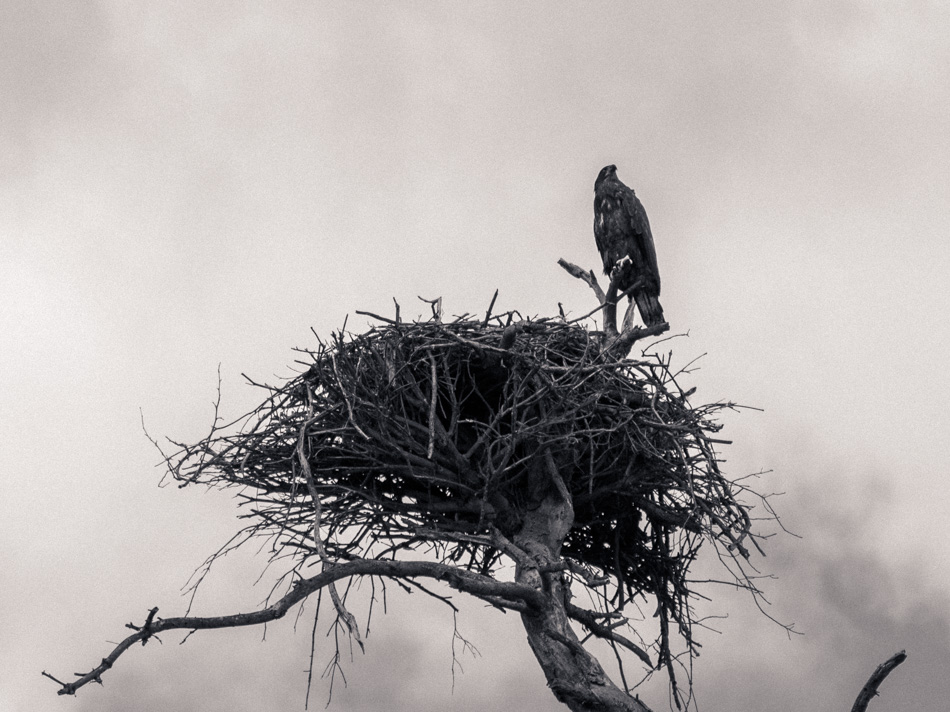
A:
(623, 237)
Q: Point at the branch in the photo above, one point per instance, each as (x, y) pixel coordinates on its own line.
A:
(624, 338)
(610, 309)
(608, 301)
(869, 691)
(630, 336)
(588, 620)
(346, 398)
(490, 307)
(459, 579)
(586, 276)
(348, 618)
(381, 318)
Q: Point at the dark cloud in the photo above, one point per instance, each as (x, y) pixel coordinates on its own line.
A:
(854, 604)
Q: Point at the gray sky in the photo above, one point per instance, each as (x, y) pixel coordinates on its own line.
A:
(188, 184)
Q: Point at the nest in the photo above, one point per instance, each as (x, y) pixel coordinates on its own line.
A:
(430, 436)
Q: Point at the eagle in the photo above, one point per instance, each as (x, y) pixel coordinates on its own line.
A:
(623, 237)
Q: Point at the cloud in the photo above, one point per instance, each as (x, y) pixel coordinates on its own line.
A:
(45, 51)
(198, 184)
(853, 603)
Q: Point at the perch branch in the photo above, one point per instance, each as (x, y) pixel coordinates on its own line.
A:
(620, 340)
(608, 301)
(610, 309)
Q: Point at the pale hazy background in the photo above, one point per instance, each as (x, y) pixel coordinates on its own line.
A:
(184, 185)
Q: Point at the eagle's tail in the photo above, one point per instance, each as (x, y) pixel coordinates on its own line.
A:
(650, 310)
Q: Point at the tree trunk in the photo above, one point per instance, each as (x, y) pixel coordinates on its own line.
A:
(574, 675)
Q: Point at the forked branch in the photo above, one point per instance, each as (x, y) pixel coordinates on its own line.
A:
(586, 276)
(619, 341)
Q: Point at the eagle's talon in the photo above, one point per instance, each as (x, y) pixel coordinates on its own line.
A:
(621, 267)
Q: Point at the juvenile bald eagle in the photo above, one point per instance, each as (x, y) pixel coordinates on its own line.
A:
(623, 237)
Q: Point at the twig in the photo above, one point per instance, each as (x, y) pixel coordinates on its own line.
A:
(490, 307)
(349, 406)
(625, 341)
(434, 399)
(620, 341)
(383, 319)
(347, 617)
(586, 276)
(436, 306)
(610, 309)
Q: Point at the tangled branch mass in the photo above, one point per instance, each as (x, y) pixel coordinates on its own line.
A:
(441, 436)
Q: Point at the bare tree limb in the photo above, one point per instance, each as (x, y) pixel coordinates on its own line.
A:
(630, 336)
(607, 301)
(586, 276)
(378, 317)
(461, 580)
(610, 309)
(869, 691)
(621, 340)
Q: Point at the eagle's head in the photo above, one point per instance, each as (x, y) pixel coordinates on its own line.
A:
(605, 173)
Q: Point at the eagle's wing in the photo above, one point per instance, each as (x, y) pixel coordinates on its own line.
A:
(601, 237)
(640, 227)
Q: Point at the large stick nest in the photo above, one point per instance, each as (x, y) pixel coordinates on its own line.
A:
(433, 435)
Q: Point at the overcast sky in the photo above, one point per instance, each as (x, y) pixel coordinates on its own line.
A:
(184, 185)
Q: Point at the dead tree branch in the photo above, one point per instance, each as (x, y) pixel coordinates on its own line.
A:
(869, 691)
(617, 341)
(587, 276)
(465, 581)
